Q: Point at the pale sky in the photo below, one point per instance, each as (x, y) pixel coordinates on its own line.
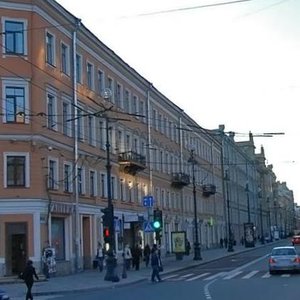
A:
(235, 64)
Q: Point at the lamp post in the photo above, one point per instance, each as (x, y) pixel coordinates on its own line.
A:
(262, 239)
(111, 261)
(230, 241)
(248, 202)
(197, 250)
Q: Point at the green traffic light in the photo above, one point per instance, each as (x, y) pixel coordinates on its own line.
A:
(156, 224)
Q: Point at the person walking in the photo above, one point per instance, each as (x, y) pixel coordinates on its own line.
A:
(147, 252)
(28, 274)
(127, 256)
(136, 256)
(155, 264)
(100, 257)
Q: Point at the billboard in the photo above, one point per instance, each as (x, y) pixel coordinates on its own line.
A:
(249, 235)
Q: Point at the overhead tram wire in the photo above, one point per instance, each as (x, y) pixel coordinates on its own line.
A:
(167, 11)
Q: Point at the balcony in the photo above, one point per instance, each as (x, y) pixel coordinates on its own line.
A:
(179, 180)
(208, 190)
(131, 162)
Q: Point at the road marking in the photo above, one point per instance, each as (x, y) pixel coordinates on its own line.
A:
(267, 275)
(171, 276)
(286, 275)
(197, 277)
(230, 276)
(250, 275)
(187, 275)
(214, 276)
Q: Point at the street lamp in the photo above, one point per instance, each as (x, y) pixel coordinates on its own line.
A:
(197, 250)
(230, 238)
(111, 261)
(248, 201)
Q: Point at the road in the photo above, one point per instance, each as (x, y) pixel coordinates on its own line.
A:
(242, 276)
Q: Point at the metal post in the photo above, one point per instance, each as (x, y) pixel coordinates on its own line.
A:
(111, 261)
(248, 202)
(230, 241)
(262, 238)
(197, 250)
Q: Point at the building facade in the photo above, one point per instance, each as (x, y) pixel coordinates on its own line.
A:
(61, 130)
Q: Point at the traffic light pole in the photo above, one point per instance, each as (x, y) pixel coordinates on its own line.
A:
(111, 261)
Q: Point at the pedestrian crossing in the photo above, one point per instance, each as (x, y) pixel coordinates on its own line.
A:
(236, 274)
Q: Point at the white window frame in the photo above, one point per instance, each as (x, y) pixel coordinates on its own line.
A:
(100, 81)
(53, 49)
(25, 36)
(18, 83)
(94, 194)
(27, 167)
(83, 180)
(92, 129)
(56, 172)
(79, 68)
(67, 101)
(67, 62)
(70, 178)
(90, 75)
(51, 92)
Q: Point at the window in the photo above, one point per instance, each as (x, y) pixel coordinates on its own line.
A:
(142, 111)
(103, 181)
(15, 104)
(65, 59)
(126, 101)
(92, 135)
(111, 87)
(52, 174)
(51, 112)
(67, 124)
(15, 171)
(50, 49)
(118, 95)
(80, 125)
(15, 37)
(78, 68)
(92, 183)
(122, 189)
(100, 81)
(80, 181)
(102, 137)
(134, 105)
(58, 237)
(90, 75)
(68, 178)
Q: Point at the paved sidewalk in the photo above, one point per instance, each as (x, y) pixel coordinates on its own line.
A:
(93, 279)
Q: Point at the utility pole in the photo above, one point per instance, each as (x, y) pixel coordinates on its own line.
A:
(230, 238)
(111, 261)
(197, 249)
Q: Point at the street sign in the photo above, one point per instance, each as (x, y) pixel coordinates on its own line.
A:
(148, 201)
(148, 227)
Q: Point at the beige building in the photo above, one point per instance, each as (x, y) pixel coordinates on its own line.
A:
(56, 127)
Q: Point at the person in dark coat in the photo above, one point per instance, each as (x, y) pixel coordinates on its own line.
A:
(136, 256)
(155, 264)
(147, 252)
(28, 275)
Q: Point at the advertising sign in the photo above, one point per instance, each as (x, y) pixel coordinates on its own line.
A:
(178, 241)
(249, 235)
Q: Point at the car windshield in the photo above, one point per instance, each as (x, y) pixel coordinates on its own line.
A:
(283, 252)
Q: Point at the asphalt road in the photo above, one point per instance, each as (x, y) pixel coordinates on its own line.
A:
(244, 276)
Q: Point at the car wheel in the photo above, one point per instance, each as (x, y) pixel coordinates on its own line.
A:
(272, 272)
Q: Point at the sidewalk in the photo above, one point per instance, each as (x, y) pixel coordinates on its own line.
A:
(93, 279)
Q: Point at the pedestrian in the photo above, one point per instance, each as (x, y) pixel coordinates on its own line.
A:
(127, 256)
(187, 247)
(28, 274)
(136, 256)
(225, 242)
(147, 252)
(155, 264)
(100, 257)
(221, 243)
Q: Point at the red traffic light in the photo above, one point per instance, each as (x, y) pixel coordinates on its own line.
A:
(106, 232)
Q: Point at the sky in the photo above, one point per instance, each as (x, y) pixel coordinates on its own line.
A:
(236, 64)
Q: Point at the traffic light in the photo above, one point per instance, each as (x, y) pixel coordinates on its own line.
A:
(106, 222)
(157, 220)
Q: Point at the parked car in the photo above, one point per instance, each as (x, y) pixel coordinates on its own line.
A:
(296, 240)
(3, 295)
(284, 258)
